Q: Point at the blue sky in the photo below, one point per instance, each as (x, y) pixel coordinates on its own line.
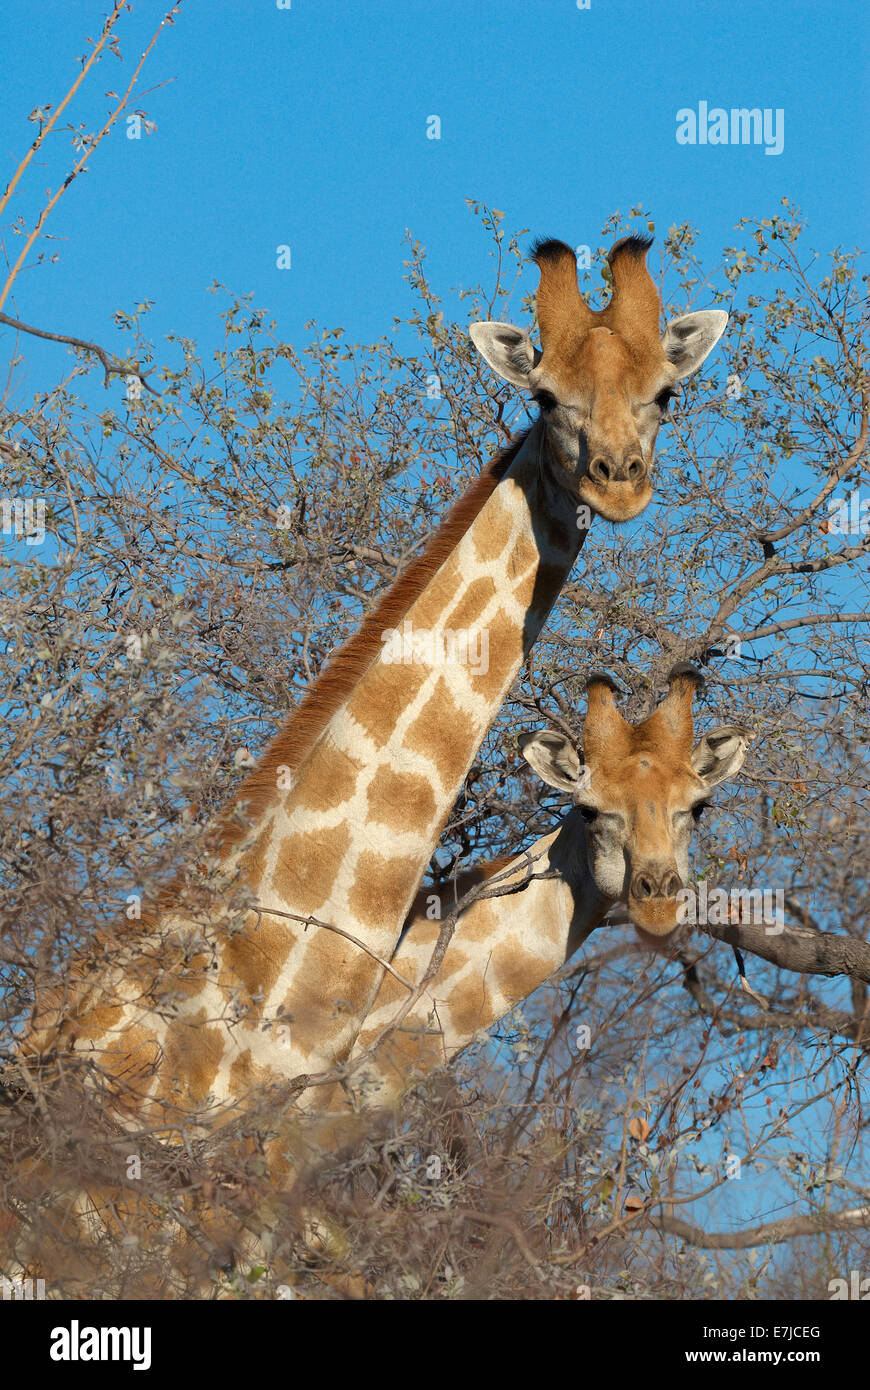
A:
(307, 127)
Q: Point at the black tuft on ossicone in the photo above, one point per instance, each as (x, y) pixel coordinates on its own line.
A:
(547, 249)
(635, 246)
(684, 670)
(602, 678)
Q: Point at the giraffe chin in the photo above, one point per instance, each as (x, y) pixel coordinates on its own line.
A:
(619, 501)
(655, 920)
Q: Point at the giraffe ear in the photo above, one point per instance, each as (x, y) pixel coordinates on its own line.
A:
(508, 350)
(720, 753)
(688, 339)
(554, 758)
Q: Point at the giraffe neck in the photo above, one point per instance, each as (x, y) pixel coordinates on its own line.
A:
(344, 834)
(349, 842)
(502, 949)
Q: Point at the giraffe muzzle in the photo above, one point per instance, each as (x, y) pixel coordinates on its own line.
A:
(617, 490)
(652, 900)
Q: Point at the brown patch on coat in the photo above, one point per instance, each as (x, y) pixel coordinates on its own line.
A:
(494, 533)
(308, 864)
(429, 609)
(478, 922)
(335, 979)
(246, 1074)
(382, 888)
(473, 604)
(450, 893)
(379, 702)
(470, 1006)
(131, 1059)
(505, 655)
(524, 554)
(336, 778)
(444, 733)
(95, 1022)
(427, 931)
(517, 970)
(410, 1048)
(254, 958)
(163, 971)
(391, 993)
(253, 864)
(455, 960)
(191, 1059)
(404, 800)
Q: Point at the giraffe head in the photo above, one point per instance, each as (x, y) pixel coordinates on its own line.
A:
(603, 379)
(640, 791)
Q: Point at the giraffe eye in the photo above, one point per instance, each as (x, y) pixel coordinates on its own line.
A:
(588, 813)
(545, 399)
(698, 811)
(664, 398)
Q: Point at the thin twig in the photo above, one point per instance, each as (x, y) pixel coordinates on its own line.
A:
(330, 926)
(80, 164)
(46, 129)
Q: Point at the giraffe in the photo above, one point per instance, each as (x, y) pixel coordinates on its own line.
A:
(637, 797)
(335, 826)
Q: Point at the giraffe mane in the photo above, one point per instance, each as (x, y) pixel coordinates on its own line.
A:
(296, 739)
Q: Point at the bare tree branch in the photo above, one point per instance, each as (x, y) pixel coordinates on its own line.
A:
(770, 1233)
(111, 365)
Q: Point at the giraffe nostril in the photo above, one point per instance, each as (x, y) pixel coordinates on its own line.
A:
(653, 884)
(599, 470)
(641, 886)
(636, 469)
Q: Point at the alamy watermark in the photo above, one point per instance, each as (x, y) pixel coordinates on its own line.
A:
(849, 516)
(741, 125)
(77, 1343)
(21, 1290)
(716, 907)
(23, 516)
(854, 1287)
(436, 647)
